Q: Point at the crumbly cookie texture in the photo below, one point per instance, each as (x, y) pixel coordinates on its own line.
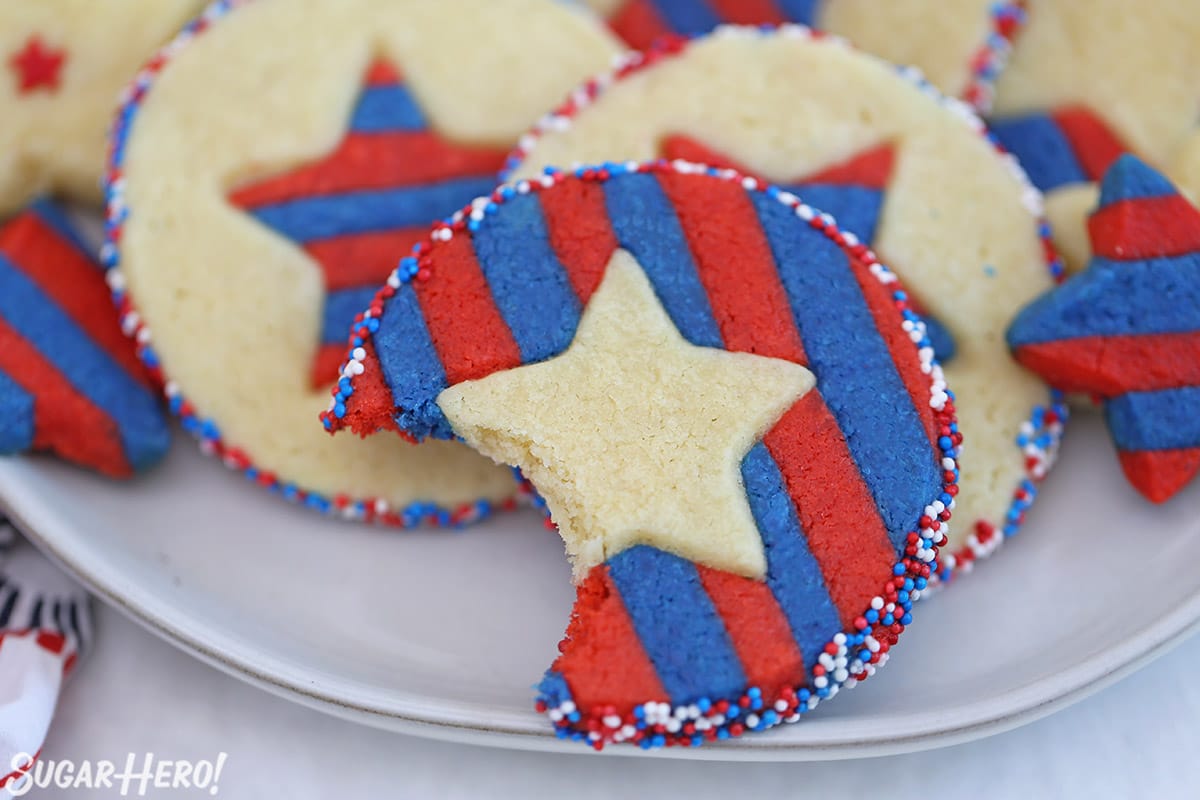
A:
(676, 482)
(956, 221)
(1133, 65)
(62, 64)
(232, 309)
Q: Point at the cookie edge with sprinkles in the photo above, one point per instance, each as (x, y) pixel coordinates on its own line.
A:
(850, 656)
(203, 429)
(1039, 435)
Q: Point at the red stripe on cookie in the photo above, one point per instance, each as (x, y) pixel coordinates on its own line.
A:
(359, 259)
(638, 23)
(73, 282)
(758, 629)
(1145, 227)
(483, 344)
(382, 73)
(871, 168)
(735, 265)
(1159, 474)
(1095, 146)
(371, 406)
(601, 657)
(65, 421)
(1113, 365)
(580, 232)
(748, 12)
(839, 518)
(365, 161)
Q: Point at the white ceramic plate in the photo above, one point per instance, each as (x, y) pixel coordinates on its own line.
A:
(443, 634)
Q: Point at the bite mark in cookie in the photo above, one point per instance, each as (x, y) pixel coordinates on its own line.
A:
(586, 290)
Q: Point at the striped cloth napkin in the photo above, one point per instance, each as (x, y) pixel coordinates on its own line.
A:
(45, 628)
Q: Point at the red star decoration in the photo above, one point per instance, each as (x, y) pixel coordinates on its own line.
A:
(37, 66)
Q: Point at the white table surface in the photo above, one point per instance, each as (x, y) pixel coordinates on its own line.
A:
(1137, 739)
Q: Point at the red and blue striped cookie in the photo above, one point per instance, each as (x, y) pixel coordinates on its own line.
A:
(904, 168)
(961, 48)
(268, 168)
(734, 418)
(1127, 329)
(70, 382)
(1087, 82)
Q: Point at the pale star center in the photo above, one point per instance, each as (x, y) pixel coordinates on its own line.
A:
(633, 435)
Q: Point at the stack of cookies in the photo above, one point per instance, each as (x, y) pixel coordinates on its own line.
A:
(724, 308)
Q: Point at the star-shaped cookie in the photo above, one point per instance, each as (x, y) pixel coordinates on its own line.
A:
(1127, 329)
(70, 383)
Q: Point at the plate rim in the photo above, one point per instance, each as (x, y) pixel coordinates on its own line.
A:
(1011, 709)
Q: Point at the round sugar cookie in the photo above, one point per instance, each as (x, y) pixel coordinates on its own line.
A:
(1088, 81)
(960, 46)
(903, 168)
(734, 418)
(62, 65)
(267, 170)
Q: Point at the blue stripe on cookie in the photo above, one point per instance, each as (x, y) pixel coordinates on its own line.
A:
(646, 225)
(1106, 301)
(84, 363)
(387, 108)
(340, 308)
(677, 623)
(16, 417)
(322, 217)
(531, 288)
(412, 370)
(1167, 419)
(793, 574)
(1129, 178)
(856, 208)
(691, 17)
(855, 373)
(1042, 148)
(802, 11)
